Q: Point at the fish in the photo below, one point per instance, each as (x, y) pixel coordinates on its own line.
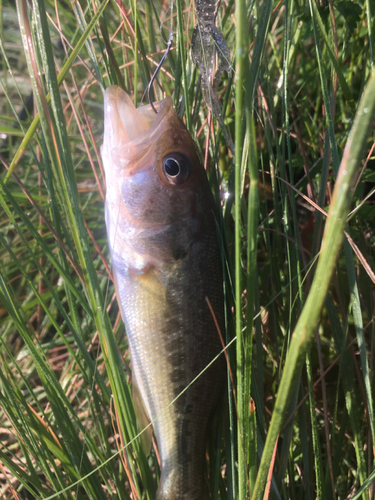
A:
(161, 225)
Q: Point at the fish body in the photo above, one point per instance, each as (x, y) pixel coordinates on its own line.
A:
(160, 217)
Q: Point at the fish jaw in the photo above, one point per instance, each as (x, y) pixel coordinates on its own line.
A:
(126, 129)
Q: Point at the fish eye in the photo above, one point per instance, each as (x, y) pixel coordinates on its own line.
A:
(176, 168)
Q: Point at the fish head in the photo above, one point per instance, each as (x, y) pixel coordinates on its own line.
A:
(157, 189)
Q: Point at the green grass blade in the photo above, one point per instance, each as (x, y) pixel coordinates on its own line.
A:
(32, 129)
(182, 60)
(351, 396)
(241, 51)
(332, 239)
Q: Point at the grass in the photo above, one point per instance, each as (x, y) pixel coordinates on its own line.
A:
(300, 107)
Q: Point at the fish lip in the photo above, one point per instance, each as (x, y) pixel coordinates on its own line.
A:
(120, 115)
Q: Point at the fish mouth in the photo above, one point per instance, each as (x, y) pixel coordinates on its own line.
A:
(126, 125)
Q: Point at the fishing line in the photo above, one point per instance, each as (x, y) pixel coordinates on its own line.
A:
(169, 45)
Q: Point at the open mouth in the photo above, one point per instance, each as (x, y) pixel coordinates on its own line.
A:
(124, 123)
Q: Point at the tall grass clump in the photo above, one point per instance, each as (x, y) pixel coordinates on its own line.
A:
(297, 233)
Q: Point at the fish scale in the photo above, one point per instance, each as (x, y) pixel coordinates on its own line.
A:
(166, 262)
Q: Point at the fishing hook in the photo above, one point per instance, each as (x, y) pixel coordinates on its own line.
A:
(169, 45)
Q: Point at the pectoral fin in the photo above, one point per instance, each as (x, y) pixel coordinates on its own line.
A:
(142, 418)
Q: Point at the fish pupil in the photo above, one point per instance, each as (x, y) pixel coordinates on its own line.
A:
(176, 168)
(172, 167)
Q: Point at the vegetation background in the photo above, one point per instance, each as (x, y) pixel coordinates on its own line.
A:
(300, 335)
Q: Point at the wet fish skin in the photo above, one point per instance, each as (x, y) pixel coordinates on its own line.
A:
(166, 261)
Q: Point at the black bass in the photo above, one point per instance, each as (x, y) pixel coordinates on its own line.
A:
(160, 217)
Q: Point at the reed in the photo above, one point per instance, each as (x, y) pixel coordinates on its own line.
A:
(296, 228)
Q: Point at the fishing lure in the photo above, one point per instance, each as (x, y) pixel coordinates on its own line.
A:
(206, 40)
